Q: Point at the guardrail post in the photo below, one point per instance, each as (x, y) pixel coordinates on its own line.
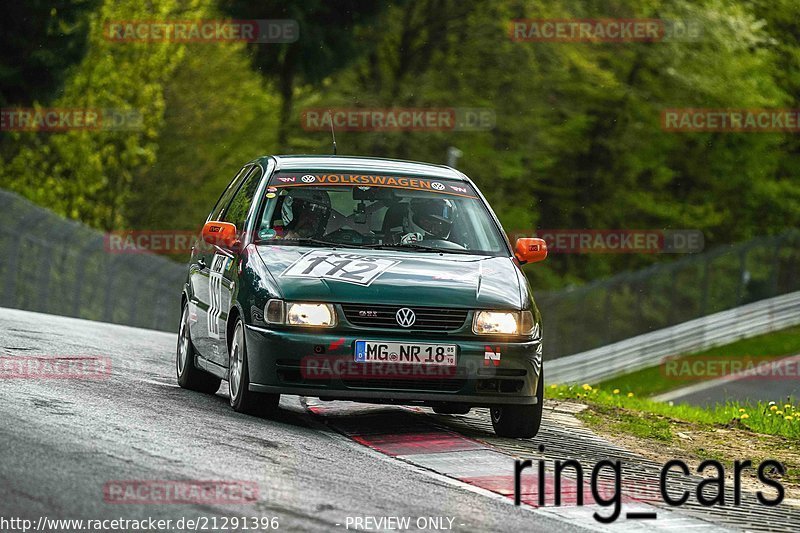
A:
(776, 265)
(85, 255)
(24, 226)
(108, 313)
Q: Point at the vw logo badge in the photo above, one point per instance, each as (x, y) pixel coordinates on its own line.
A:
(405, 317)
(308, 178)
(438, 186)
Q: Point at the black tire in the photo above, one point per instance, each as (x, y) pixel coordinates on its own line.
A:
(519, 421)
(243, 400)
(452, 409)
(189, 376)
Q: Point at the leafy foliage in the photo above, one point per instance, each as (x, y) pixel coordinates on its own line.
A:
(39, 41)
(578, 141)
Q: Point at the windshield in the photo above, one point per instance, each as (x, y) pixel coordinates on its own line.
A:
(369, 211)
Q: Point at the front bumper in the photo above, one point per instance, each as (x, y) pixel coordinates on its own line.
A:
(321, 364)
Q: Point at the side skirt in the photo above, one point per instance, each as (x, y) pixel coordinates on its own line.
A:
(211, 368)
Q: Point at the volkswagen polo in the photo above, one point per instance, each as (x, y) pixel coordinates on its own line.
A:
(362, 279)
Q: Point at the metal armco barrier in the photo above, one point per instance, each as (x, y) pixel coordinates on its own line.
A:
(669, 293)
(53, 265)
(699, 334)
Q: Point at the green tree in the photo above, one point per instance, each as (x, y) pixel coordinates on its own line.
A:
(39, 41)
(210, 129)
(578, 141)
(328, 41)
(89, 174)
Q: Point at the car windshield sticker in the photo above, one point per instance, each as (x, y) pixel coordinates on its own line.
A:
(339, 266)
(456, 188)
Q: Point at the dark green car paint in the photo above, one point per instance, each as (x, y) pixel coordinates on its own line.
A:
(246, 279)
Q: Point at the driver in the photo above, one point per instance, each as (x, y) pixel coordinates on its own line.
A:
(305, 213)
(430, 218)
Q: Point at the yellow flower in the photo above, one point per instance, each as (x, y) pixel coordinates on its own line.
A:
(787, 406)
(745, 416)
(630, 395)
(789, 418)
(779, 413)
(553, 386)
(616, 391)
(586, 387)
(773, 408)
(741, 410)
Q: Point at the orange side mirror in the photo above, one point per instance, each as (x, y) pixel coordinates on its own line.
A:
(530, 250)
(222, 234)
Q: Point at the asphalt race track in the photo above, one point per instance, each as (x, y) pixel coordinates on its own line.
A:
(317, 465)
(744, 387)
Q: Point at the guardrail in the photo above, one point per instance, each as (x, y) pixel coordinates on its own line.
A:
(58, 266)
(665, 294)
(650, 349)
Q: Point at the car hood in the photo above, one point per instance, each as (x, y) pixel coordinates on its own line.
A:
(404, 278)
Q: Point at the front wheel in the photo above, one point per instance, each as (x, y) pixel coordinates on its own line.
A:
(243, 400)
(189, 376)
(520, 421)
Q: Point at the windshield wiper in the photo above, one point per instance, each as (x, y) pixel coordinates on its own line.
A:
(421, 248)
(311, 241)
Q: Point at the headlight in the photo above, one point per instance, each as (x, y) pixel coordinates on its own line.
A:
(503, 323)
(300, 314)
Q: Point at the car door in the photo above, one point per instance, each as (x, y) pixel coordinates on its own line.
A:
(200, 327)
(224, 267)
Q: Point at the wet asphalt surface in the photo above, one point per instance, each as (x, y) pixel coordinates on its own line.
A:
(63, 440)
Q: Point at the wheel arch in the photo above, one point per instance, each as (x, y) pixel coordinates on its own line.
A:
(233, 315)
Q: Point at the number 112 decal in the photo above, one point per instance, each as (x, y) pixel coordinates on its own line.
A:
(339, 266)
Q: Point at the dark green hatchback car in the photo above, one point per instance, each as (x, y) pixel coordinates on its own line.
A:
(362, 279)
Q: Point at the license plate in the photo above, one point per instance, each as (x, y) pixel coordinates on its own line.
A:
(405, 352)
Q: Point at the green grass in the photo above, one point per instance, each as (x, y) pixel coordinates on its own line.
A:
(647, 418)
(653, 380)
(636, 424)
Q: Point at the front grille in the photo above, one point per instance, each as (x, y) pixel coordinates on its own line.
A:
(439, 384)
(363, 376)
(384, 316)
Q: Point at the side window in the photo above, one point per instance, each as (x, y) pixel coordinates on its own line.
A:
(240, 205)
(225, 198)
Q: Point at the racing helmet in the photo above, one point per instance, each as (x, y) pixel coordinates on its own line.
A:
(435, 216)
(306, 210)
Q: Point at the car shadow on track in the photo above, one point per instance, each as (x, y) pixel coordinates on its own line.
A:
(290, 412)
